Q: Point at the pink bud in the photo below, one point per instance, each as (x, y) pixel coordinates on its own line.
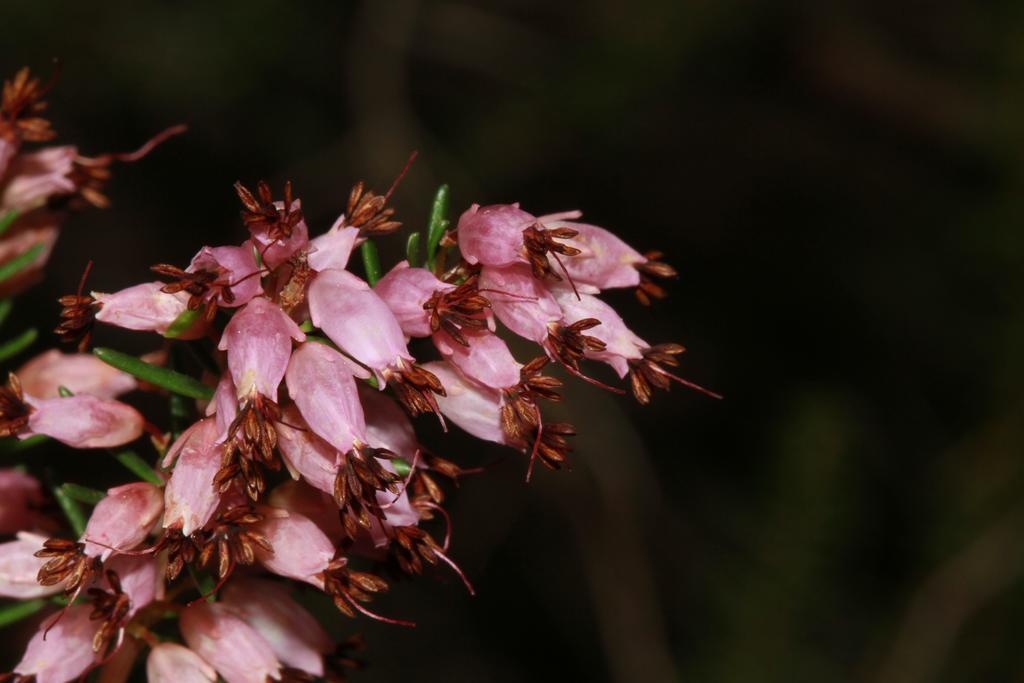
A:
(405, 290)
(474, 408)
(141, 307)
(321, 384)
(84, 421)
(332, 250)
(237, 266)
(190, 497)
(520, 301)
(235, 649)
(21, 498)
(486, 360)
(387, 425)
(258, 342)
(604, 261)
(493, 235)
(123, 519)
(301, 550)
(36, 176)
(357, 320)
(65, 652)
(293, 634)
(304, 452)
(300, 497)
(621, 344)
(82, 373)
(142, 579)
(19, 567)
(173, 663)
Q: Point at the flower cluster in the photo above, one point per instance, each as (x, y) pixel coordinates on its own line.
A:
(301, 465)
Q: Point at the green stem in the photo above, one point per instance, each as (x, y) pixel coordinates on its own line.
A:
(138, 466)
(9, 614)
(438, 224)
(7, 220)
(154, 374)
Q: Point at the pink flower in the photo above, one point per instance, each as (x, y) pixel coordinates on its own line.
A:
(305, 453)
(294, 635)
(173, 663)
(278, 232)
(84, 421)
(190, 497)
(235, 649)
(321, 384)
(65, 652)
(387, 425)
(81, 373)
(621, 345)
(36, 176)
(474, 408)
(301, 550)
(521, 302)
(38, 227)
(19, 568)
(237, 273)
(141, 578)
(123, 519)
(493, 235)
(142, 307)
(405, 290)
(332, 250)
(224, 405)
(358, 321)
(258, 342)
(485, 359)
(604, 261)
(21, 498)
(318, 506)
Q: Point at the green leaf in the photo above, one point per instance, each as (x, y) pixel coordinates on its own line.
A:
(72, 510)
(154, 374)
(20, 263)
(7, 220)
(16, 445)
(83, 494)
(412, 249)
(5, 309)
(182, 324)
(371, 262)
(438, 224)
(19, 610)
(13, 347)
(138, 466)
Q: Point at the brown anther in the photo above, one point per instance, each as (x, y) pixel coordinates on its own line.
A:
(77, 318)
(570, 345)
(293, 293)
(360, 477)
(232, 539)
(262, 213)
(68, 565)
(411, 547)
(649, 372)
(20, 108)
(649, 269)
(415, 387)
(14, 411)
(111, 607)
(348, 587)
(250, 447)
(425, 487)
(519, 410)
(369, 212)
(181, 551)
(553, 448)
(458, 309)
(90, 180)
(540, 241)
(198, 285)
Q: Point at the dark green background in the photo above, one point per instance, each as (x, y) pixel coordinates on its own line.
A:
(839, 185)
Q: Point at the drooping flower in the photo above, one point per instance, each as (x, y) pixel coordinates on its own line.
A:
(173, 663)
(190, 498)
(228, 643)
(61, 652)
(123, 519)
(146, 307)
(80, 373)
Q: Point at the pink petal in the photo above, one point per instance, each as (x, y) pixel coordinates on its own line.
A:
(520, 301)
(141, 307)
(37, 176)
(333, 249)
(65, 652)
(276, 252)
(605, 260)
(405, 290)
(224, 405)
(621, 344)
(486, 360)
(387, 424)
(301, 550)
(357, 320)
(473, 407)
(19, 567)
(304, 452)
(224, 640)
(321, 384)
(293, 634)
(239, 271)
(142, 579)
(82, 373)
(493, 235)
(123, 519)
(300, 497)
(173, 663)
(258, 342)
(84, 421)
(190, 496)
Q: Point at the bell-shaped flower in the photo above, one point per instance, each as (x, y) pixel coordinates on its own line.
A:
(37, 176)
(81, 373)
(123, 519)
(173, 663)
(228, 643)
(387, 425)
(301, 550)
(141, 579)
(84, 421)
(19, 568)
(604, 261)
(21, 499)
(190, 498)
(306, 454)
(294, 635)
(318, 506)
(621, 345)
(485, 358)
(521, 302)
(473, 407)
(406, 290)
(144, 307)
(61, 652)
(321, 383)
(358, 321)
(237, 275)
(258, 340)
(331, 250)
(493, 235)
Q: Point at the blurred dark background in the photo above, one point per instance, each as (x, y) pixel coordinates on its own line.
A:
(839, 185)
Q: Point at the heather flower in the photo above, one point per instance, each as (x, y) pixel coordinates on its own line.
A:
(258, 342)
(173, 663)
(228, 643)
(123, 519)
(62, 651)
(331, 250)
(146, 307)
(83, 421)
(80, 373)
(19, 568)
(300, 550)
(521, 302)
(321, 383)
(190, 499)
(37, 176)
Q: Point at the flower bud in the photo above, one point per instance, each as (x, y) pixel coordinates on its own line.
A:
(258, 342)
(224, 640)
(486, 359)
(318, 506)
(123, 519)
(305, 453)
(173, 663)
